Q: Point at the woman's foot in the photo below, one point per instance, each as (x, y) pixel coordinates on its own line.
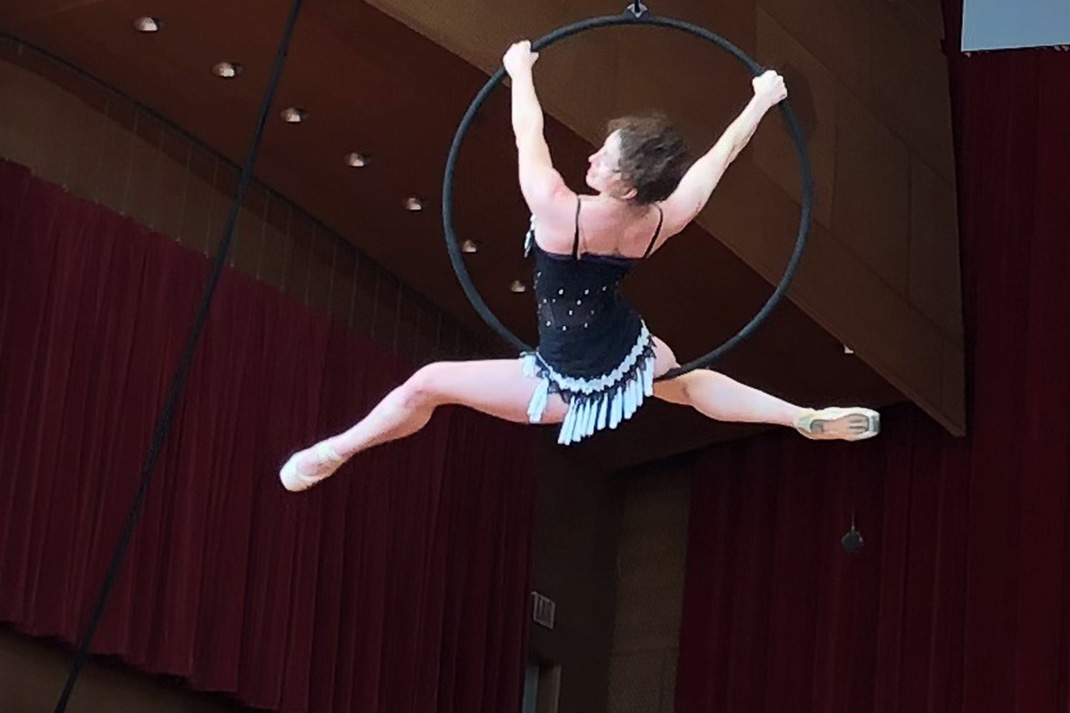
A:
(845, 424)
(310, 466)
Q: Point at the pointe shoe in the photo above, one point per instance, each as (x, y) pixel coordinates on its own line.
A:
(845, 424)
(320, 462)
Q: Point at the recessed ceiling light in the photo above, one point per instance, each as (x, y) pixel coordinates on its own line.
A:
(148, 24)
(414, 204)
(356, 160)
(518, 287)
(294, 115)
(469, 246)
(227, 70)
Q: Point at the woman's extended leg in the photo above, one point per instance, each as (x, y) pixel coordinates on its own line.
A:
(496, 387)
(725, 399)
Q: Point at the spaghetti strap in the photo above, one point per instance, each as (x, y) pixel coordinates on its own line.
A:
(576, 236)
(650, 247)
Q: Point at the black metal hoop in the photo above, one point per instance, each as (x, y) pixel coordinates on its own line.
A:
(629, 19)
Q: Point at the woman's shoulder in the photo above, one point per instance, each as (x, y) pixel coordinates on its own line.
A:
(613, 232)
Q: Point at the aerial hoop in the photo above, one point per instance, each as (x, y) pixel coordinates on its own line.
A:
(636, 15)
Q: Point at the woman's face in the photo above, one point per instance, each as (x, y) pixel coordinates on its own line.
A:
(603, 173)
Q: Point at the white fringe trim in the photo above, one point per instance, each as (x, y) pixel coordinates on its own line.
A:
(594, 403)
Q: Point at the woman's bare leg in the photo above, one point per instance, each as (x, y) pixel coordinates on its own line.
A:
(725, 399)
(495, 387)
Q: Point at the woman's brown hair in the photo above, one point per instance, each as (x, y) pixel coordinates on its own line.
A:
(653, 155)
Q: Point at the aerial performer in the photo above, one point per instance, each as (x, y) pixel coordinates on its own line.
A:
(596, 362)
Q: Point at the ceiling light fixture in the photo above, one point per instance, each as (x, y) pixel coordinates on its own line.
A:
(293, 115)
(413, 204)
(227, 70)
(518, 287)
(356, 160)
(470, 246)
(148, 24)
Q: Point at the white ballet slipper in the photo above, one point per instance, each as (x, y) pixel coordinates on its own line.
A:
(320, 461)
(844, 424)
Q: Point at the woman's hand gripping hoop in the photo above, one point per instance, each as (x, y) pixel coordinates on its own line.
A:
(635, 16)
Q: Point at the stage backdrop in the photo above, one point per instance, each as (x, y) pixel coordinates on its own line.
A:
(959, 601)
(399, 585)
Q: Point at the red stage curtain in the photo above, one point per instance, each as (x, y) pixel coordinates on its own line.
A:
(399, 585)
(959, 601)
(778, 617)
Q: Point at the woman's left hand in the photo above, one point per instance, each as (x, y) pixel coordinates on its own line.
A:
(519, 58)
(770, 88)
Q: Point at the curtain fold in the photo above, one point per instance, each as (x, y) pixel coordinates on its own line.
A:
(777, 616)
(401, 584)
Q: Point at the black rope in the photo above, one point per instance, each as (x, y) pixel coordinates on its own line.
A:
(163, 424)
(629, 19)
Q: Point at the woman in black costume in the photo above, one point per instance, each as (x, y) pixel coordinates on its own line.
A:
(596, 360)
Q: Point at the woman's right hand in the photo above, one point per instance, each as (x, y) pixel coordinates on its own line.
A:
(519, 58)
(770, 88)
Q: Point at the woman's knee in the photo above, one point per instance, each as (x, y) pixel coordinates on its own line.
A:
(425, 386)
(674, 390)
